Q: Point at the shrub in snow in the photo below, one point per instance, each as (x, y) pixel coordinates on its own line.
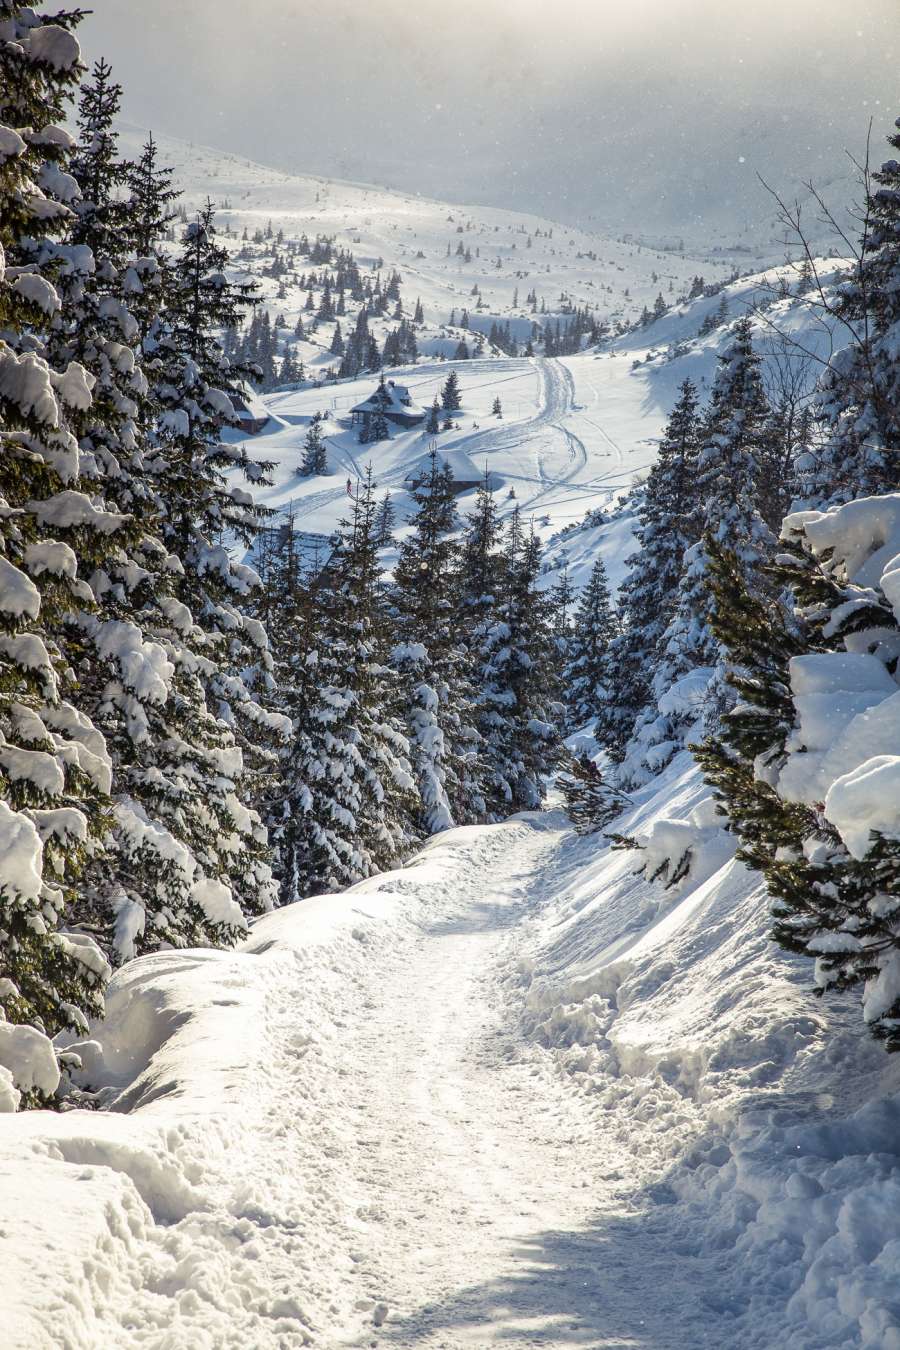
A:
(590, 801)
(688, 850)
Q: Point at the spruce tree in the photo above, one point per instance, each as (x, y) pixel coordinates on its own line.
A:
(367, 778)
(668, 511)
(54, 767)
(378, 429)
(450, 398)
(590, 801)
(804, 765)
(517, 681)
(431, 658)
(314, 802)
(150, 198)
(433, 423)
(589, 674)
(728, 489)
(193, 384)
(385, 521)
(859, 395)
(315, 455)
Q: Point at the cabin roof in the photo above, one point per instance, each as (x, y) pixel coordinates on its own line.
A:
(398, 402)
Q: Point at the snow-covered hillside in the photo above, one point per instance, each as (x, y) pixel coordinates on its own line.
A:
(576, 431)
(412, 233)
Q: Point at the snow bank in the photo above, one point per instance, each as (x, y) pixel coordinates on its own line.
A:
(758, 1125)
(213, 1187)
(844, 749)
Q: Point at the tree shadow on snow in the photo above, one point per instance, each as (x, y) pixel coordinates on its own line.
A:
(633, 1280)
(480, 917)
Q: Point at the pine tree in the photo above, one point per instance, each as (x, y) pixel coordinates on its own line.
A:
(432, 423)
(54, 768)
(497, 408)
(728, 488)
(590, 801)
(378, 429)
(145, 888)
(431, 658)
(233, 753)
(315, 455)
(369, 792)
(809, 790)
(311, 810)
(150, 198)
(384, 521)
(590, 673)
(859, 395)
(516, 679)
(668, 510)
(450, 399)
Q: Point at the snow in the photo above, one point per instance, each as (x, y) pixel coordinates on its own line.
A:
(26, 382)
(515, 1092)
(846, 743)
(55, 46)
(37, 291)
(11, 143)
(74, 385)
(511, 1092)
(866, 799)
(36, 767)
(51, 556)
(28, 1056)
(217, 903)
(18, 595)
(74, 510)
(145, 668)
(21, 855)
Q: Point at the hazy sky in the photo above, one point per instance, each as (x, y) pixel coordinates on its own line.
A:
(644, 113)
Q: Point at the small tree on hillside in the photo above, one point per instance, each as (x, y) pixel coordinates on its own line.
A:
(450, 398)
(315, 457)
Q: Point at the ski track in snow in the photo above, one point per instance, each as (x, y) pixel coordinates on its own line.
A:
(559, 454)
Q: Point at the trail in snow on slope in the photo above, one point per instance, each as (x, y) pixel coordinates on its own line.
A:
(482, 1174)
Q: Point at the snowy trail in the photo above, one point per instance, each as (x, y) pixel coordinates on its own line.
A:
(480, 1173)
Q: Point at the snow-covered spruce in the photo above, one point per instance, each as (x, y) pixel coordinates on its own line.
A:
(514, 672)
(55, 772)
(859, 394)
(432, 659)
(727, 492)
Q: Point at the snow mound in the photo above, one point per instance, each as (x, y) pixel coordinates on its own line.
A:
(757, 1126)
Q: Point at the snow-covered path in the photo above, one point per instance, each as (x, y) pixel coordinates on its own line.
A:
(479, 1173)
(499, 1097)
